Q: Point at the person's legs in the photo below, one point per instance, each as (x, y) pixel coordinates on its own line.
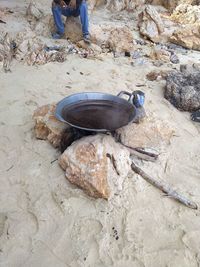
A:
(57, 15)
(84, 18)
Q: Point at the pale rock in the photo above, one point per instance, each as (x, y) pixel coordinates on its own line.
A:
(47, 127)
(129, 5)
(93, 4)
(150, 24)
(150, 133)
(97, 164)
(34, 12)
(172, 4)
(160, 54)
(187, 36)
(73, 29)
(186, 14)
(118, 39)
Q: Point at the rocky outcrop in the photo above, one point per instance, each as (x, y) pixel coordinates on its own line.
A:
(97, 164)
(150, 24)
(183, 89)
(47, 127)
(187, 36)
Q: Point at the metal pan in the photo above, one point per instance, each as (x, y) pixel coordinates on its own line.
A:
(97, 112)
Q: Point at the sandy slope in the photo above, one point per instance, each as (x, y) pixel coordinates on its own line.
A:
(47, 222)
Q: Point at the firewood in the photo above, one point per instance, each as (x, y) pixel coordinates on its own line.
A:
(160, 184)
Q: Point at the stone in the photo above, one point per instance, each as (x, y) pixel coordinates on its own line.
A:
(187, 36)
(186, 14)
(129, 5)
(121, 40)
(47, 127)
(155, 75)
(172, 4)
(183, 90)
(150, 24)
(34, 12)
(97, 164)
(160, 54)
(152, 132)
(73, 29)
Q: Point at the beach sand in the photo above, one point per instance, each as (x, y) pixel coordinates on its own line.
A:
(45, 221)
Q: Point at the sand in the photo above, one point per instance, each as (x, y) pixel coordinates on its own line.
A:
(45, 221)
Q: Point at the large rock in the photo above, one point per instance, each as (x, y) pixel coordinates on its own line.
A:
(34, 12)
(183, 90)
(186, 14)
(97, 164)
(187, 36)
(116, 38)
(172, 4)
(129, 5)
(150, 133)
(150, 24)
(47, 127)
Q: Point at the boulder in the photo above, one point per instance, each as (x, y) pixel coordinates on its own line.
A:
(34, 12)
(186, 14)
(47, 127)
(116, 38)
(97, 164)
(129, 5)
(150, 24)
(183, 89)
(187, 36)
(150, 133)
(172, 4)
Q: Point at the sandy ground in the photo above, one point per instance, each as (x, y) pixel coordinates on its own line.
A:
(47, 222)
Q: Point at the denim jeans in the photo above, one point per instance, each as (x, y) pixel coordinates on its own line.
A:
(81, 11)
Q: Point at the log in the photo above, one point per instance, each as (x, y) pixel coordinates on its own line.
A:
(164, 187)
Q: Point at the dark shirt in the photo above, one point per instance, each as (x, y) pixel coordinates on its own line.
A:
(78, 2)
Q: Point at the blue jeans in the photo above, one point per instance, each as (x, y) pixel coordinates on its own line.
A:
(82, 10)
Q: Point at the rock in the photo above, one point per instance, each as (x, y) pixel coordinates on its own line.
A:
(93, 4)
(121, 39)
(183, 90)
(174, 59)
(160, 54)
(150, 24)
(154, 75)
(34, 12)
(187, 36)
(150, 133)
(186, 14)
(97, 164)
(117, 39)
(73, 29)
(172, 4)
(130, 5)
(47, 127)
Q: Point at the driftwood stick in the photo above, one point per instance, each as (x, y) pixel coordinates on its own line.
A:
(141, 154)
(164, 187)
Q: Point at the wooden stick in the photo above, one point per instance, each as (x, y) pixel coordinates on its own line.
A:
(164, 187)
(141, 154)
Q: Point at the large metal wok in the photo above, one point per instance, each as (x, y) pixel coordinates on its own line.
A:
(97, 112)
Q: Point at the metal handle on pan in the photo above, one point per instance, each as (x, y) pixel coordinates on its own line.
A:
(125, 93)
